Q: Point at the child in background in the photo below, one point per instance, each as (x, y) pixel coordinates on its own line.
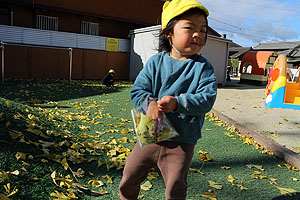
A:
(181, 84)
(108, 80)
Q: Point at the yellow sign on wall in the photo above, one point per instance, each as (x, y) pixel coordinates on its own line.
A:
(112, 44)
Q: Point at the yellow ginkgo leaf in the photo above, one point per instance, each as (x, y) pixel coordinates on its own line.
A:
(124, 131)
(232, 128)
(10, 193)
(263, 177)
(273, 179)
(196, 170)
(256, 173)
(260, 167)
(67, 181)
(123, 140)
(295, 179)
(122, 156)
(152, 175)
(103, 192)
(71, 195)
(286, 191)
(146, 186)
(53, 176)
(59, 195)
(229, 134)
(240, 186)
(79, 173)
(7, 187)
(215, 185)
(225, 167)
(231, 178)
(249, 141)
(209, 195)
(205, 158)
(113, 142)
(15, 134)
(20, 155)
(25, 163)
(109, 179)
(3, 176)
(16, 172)
(100, 163)
(125, 120)
(96, 183)
(65, 163)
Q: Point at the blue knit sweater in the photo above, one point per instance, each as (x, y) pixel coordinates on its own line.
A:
(191, 81)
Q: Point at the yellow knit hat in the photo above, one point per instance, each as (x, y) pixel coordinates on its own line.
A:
(111, 71)
(177, 7)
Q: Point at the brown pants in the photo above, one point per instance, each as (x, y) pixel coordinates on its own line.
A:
(172, 158)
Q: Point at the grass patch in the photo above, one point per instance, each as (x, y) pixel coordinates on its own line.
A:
(50, 126)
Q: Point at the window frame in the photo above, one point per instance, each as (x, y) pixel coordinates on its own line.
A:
(89, 28)
(45, 22)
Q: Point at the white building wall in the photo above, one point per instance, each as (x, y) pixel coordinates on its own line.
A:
(216, 51)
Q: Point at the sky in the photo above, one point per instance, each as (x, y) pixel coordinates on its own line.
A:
(250, 22)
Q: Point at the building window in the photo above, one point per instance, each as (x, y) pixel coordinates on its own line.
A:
(4, 16)
(47, 23)
(89, 28)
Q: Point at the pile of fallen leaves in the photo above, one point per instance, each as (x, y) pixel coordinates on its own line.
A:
(65, 136)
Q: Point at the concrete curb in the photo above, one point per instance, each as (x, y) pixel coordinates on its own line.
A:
(286, 154)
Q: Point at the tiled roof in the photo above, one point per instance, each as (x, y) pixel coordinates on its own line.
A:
(277, 46)
(236, 52)
(295, 52)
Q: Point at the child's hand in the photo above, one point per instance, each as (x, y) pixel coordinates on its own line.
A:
(153, 111)
(167, 104)
(157, 115)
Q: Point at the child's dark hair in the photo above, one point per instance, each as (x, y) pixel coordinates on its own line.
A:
(164, 43)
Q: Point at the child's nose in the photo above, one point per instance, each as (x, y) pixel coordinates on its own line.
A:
(196, 34)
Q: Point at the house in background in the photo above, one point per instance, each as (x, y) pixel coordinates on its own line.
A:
(38, 34)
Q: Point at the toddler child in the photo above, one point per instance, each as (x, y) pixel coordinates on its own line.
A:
(181, 84)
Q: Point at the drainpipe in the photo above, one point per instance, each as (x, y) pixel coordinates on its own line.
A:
(2, 62)
(70, 64)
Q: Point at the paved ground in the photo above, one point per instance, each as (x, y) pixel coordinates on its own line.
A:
(245, 104)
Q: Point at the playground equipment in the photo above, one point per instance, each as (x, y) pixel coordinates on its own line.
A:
(279, 92)
(255, 67)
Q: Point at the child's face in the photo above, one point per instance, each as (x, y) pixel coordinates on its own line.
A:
(189, 36)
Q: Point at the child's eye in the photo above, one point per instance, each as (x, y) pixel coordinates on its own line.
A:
(202, 31)
(188, 27)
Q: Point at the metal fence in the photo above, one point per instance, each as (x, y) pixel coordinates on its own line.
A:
(21, 35)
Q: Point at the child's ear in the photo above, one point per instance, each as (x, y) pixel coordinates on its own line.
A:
(168, 36)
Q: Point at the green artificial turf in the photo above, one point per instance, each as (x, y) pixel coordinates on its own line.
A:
(61, 109)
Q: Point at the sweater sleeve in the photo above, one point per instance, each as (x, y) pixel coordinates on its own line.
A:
(203, 99)
(142, 91)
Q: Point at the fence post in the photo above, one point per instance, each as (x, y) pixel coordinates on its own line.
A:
(2, 62)
(70, 64)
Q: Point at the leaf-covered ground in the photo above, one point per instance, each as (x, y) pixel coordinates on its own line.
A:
(61, 141)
